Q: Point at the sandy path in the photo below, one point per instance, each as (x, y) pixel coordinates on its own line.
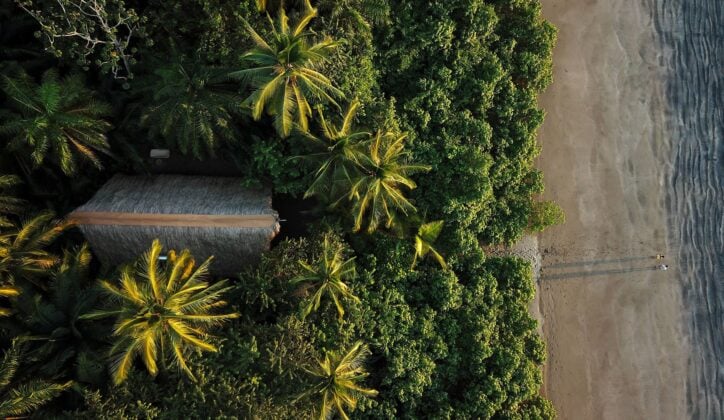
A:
(613, 325)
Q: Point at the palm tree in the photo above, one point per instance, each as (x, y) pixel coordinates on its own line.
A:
(25, 397)
(338, 381)
(162, 309)
(284, 73)
(191, 108)
(56, 120)
(60, 344)
(326, 276)
(8, 203)
(340, 152)
(425, 237)
(22, 253)
(272, 5)
(376, 193)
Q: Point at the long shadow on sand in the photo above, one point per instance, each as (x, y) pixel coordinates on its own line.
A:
(581, 274)
(599, 262)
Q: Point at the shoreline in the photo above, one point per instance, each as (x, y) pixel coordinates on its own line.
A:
(611, 321)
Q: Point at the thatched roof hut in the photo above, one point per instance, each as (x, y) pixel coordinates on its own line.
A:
(208, 215)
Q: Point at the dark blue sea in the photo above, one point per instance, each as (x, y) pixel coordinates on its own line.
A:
(691, 35)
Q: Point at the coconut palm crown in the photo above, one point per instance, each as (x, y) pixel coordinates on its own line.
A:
(284, 73)
(56, 121)
(192, 108)
(326, 276)
(338, 377)
(377, 193)
(162, 311)
(339, 154)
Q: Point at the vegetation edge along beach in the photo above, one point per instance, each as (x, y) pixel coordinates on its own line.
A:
(395, 142)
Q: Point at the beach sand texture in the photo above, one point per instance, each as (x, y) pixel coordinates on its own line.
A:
(613, 324)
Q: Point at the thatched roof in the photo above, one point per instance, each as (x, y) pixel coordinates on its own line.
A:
(208, 215)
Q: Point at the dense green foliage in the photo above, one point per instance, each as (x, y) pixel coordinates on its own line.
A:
(193, 106)
(55, 120)
(58, 342)
(466, 84)
(441, 133)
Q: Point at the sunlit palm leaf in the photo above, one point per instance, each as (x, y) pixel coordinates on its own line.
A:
(376, 191)
(338, 154)
(162, 306)
(23, 258)
(326, 276)
(426, 236)
(282, 74)
(338, 376)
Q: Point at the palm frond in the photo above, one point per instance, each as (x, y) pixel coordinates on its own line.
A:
(22, 248)
(377, 189)
(327, 275)
(24, 397)
(338, 376)
(29, 396)
(193, 106)
(281, 74)
(56, 121)
(165, 306)
(426, 236)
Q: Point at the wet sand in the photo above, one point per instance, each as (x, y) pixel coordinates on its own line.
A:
(613, 324)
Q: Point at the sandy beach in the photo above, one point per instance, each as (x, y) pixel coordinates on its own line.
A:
(617, 347)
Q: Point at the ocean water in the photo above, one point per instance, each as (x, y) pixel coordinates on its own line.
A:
(691, 36)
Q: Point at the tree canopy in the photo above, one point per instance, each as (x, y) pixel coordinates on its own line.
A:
(399, 137)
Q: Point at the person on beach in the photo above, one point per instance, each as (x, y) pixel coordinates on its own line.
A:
(663, 267)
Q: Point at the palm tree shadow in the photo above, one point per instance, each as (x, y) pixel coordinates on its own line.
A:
(580, 274)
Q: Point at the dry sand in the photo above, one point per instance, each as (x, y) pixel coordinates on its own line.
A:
(613, 325)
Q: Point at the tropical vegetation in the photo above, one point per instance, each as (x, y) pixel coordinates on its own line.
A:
(57, 120)
(192, 107)
(337, 156)
(24, 257)
(326, 276)
(284, 73)
(425, 238)
(18, 399)
(9, 204)
(161, 312)
(338, 377)
(399, 140)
